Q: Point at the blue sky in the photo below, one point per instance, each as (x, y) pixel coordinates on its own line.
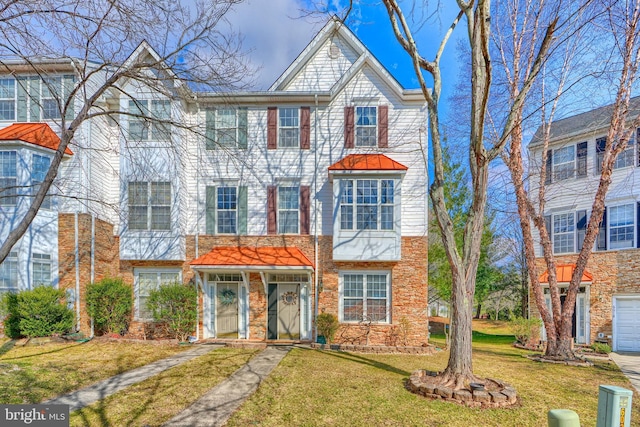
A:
(274, 34)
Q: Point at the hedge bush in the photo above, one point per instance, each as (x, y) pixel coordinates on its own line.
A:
(9, 315)
(176, 307)
(109, 303)
(526, 331)
(327, 326)
(39, 312)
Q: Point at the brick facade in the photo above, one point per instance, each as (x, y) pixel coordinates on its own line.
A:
(408, 280)
(614, 273)
(105, 256)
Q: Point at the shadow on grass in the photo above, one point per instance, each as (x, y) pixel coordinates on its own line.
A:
(352, 357)
(42, 353)
(7, 346)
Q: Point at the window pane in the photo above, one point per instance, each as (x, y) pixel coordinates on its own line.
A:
(367, 218)
(353, 310)
(8, 180)
(376, 286)
(288, 198)
(169, 278)
(564, 163)
(288, 222)
(563, 233)
(161, 126)
(7, 99)
(377, 310)
(366, 116)
(289, 131)
(353, 285)
(366, 130)
(9, 274)
(161, 193)
(621, 226)
(346, 217)
(366, 137)
(138, 217)
(160, 218)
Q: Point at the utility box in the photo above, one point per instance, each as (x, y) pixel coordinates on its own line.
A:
(614, 406)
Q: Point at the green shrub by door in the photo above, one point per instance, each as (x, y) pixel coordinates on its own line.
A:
(109, 303)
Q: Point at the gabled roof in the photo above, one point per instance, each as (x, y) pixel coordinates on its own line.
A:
(590, 121)
(336, 27)
(564, 273)
(39, 134)
(248, 256)
(370, 162)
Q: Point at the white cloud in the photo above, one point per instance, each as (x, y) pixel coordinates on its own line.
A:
(274, 34)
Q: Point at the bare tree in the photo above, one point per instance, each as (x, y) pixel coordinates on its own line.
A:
(104, 43)
(623, 18)
(476, 14)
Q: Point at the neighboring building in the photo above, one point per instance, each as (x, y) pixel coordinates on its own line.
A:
(608, 302)
(308, 197)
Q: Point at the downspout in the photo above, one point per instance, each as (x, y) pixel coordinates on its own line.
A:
(315, 217)
(93, 217)
(197, 231)
(77, 256)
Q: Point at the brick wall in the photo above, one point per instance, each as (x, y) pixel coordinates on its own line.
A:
(105, 256)
(614, 272)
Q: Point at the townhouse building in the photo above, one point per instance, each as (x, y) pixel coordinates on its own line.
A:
(608, 302)
(277, 205)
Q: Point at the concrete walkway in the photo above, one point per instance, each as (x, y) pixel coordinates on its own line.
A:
(88, 395)
(629, 364)
(216, 406)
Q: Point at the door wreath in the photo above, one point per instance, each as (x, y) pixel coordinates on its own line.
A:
(289, 298)
(227, 297)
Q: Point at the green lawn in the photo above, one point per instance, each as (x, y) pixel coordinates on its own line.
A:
(325, 388)
(35, 373)
(157, 399)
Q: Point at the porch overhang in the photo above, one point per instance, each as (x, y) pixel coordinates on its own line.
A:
(564, 273)
(245, 259)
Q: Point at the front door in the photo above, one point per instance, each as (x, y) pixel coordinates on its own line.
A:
(283, 322)
(227, 310)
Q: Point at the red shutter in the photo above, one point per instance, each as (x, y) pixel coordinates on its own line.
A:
(305, 208)
(272, 197)
(383, 126)
(348, 127)
(305, 128)
(272, 128)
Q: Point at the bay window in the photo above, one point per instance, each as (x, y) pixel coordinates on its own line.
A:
(8, 178)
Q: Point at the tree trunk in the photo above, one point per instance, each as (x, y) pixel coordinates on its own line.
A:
(478, 310)
(459, 371)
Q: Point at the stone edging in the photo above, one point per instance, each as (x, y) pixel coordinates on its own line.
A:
(419, 383)
(582, 363)
(377, 349)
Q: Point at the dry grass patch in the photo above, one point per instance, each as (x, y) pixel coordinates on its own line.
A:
(492, 327)
(159, 398)
(312, 388)
(35, 373)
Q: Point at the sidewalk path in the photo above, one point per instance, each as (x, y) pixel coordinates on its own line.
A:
(88, 395)
(216, 406)
(629, 364)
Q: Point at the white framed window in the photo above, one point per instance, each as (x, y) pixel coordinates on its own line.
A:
(289, 127)
(147, 280)
(226, 126)
(373, 204)
(8, 178)
(288, 210)
(227, 210)
(621, 226)
(365, 296)
(8, 99)
(9, 273)
(149, 120)
(149, 205)
(41, 269)
(564, 228)
(40, 167)
(564, 163)
(625, 159)
(51, 93)
(366, 126)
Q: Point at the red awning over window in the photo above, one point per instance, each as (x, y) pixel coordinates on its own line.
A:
(564, 273)
(39, 134)
(377, 162)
